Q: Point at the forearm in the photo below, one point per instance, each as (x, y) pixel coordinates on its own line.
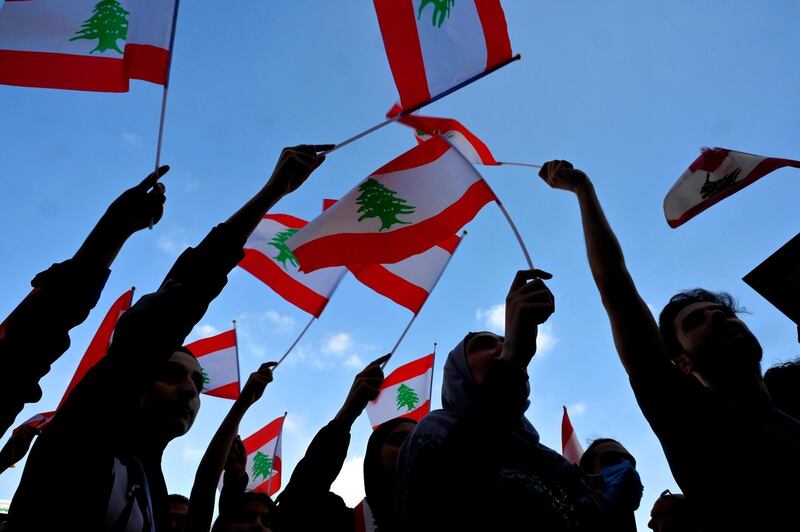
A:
(201, 508)
(323, 460)
(244, 221)
(103, 244)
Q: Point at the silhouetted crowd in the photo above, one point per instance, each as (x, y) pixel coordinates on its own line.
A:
(731, 435)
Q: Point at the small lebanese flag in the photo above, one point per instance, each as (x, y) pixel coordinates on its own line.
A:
(147, 51)
(571, 448)
(454, 131)
(434, 45)
(410, 281)
(97, 349)
(268, 257)
(81, 44)
(405, 392)
(365, 522)
(714, 176)
(404, 208)
(264, 464)
(219, 363)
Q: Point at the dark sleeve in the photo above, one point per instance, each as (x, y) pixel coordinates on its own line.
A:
(307, 500)
(37, 331)
(439, 476)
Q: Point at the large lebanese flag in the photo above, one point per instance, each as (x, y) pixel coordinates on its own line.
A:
(91, 45)
(264, 465)
(97, 349)
(425, 127)
(433, 46)
(219, 362)
(405, 392)
(410, 281)
(147, 51)
(571, 447)
(713, 176)
(404, 208)
(267, 257)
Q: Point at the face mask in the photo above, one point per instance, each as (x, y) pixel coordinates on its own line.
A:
(623, 487)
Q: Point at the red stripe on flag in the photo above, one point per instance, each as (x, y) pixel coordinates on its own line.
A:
(268, 272)
(450, 244)
(229, 391)
(273, 484)
(146, 62)
(62, 71)
(495, 31)
(287, 219)
(206, 346)
(434, 126)
(263, 436)
(398, 24)
(763, 168)
(391, 285)
(425, 153)
(408, 371)
(98, 347)
(340, 249)
(566, 430)
(416, 415)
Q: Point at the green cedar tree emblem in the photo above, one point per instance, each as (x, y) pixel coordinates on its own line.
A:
(441, 10)
(712, 188)
(262, 466)
(206, 380)
(108, 24)
(284, 253)
(407, 397)
(377, 201)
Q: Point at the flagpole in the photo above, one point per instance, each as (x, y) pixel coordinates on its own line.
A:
(419, 106)
(274, 453)
(236, 347)
(527, 165)
(296, 341)
(433, 286)
(165, 94)
(433, 367)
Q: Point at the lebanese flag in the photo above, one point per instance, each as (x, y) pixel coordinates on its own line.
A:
(454, 131)
(405, 392)
(59, 45)
(404, 208)
(434, 46)
(147, 51)
(97, 349)
(365, 522)
(714, 176)
(410, 281)
(218, 357)
(264, 464)
(269, 259)
(571, 448)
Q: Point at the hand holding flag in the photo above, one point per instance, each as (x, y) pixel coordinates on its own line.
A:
(564, 176)
(140, 206)
(529, 303)
(366, 387)
(257, 383)
(295, 165)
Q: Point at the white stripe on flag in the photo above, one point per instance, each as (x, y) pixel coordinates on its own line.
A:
(151, 23)
(270, 449)
(385, 407)
(220, 367)
(422, 270)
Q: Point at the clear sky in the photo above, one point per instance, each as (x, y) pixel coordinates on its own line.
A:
(627, 90)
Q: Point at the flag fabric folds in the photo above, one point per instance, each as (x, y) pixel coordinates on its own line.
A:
(219, 363)
(454, 131)
(91, 45)
(406, 207)
(264, 466)
(405, 392)
(410, 281)
(571, 447)
(434, 45)
(268, 258)
(713, 176)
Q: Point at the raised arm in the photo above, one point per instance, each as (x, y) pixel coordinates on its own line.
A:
(635, 330)
(201, 507)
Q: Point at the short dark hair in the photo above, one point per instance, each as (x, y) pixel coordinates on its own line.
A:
(782, 380)
(177, 497)
(184, 349)
(666, 321)
(590, 454)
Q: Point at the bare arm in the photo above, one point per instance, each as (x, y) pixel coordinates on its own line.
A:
(201, 507)
(635, 330)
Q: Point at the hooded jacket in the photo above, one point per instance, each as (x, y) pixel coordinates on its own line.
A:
(477, 464)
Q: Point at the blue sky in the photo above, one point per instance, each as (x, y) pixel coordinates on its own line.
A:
(626, 90)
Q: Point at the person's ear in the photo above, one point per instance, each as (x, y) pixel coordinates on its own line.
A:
(684, 363)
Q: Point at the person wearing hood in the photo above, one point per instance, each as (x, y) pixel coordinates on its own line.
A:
(477, 464)
(307, 504)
